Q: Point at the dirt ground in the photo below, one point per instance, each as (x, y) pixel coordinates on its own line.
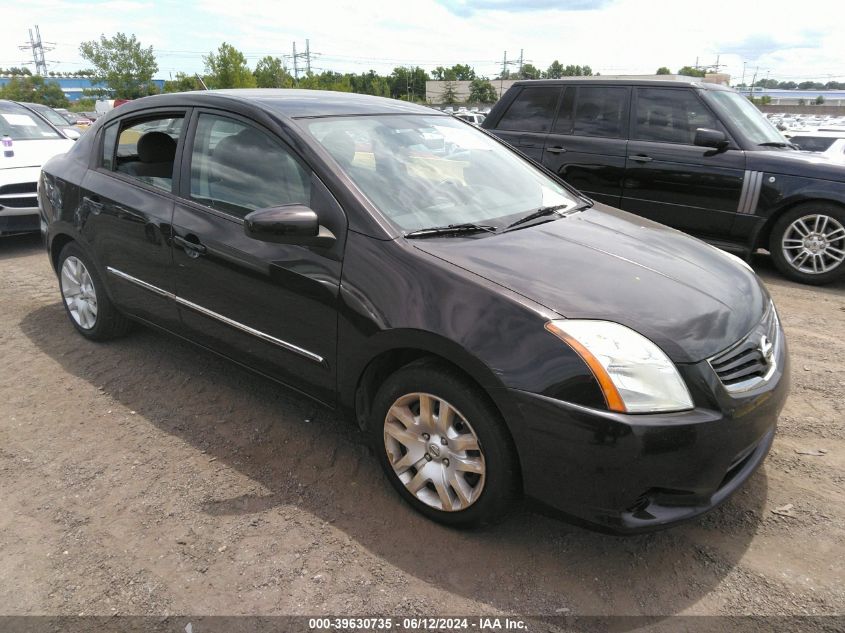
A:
(145, 476)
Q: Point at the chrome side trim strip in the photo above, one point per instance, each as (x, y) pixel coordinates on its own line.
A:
(745, 178)
(758, 185)
(214, 315)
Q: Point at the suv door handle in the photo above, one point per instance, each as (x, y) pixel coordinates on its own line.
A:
(193, 249)
(556, 150)
(641, 158)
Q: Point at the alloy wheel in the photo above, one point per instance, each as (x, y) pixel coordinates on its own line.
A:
(79, 293)
(434, 452)
(814, 244)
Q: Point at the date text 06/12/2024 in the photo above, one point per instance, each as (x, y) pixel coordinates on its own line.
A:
(417, 624)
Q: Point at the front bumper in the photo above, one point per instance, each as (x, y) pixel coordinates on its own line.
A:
(18, 201)
(637, 473)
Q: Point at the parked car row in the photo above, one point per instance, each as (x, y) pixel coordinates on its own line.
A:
(28, 141)
(492, 330)
(695, 156)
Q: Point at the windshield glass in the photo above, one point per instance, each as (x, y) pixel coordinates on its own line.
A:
(24, 125)
(746, 117)
(426, 171)
(50, 114)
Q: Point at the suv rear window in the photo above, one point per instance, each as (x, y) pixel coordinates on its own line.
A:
(600, 111)
(532, 110)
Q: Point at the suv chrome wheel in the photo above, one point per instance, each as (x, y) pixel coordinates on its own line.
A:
(814, 244)
(79, 293)
(434, 452)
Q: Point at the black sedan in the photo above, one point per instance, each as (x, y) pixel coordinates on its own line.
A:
(493, 331)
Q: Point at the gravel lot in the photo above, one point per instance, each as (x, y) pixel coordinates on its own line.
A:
(145, 476)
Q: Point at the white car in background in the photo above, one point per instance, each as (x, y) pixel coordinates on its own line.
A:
(472, 117)
(28, 141)
(825, 143)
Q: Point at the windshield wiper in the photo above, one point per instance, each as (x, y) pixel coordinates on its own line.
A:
(777, 144)
(544, 211)
(451, 229)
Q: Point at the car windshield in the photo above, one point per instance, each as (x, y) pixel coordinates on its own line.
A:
(433, 171)
(50, 114)
(747, 117)
(24, 125)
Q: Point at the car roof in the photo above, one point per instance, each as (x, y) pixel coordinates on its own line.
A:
(291, 103)
(600, 81)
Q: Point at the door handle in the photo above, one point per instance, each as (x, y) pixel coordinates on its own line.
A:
(193, 249)
(94, 203)
(556, 150)
(641, 158)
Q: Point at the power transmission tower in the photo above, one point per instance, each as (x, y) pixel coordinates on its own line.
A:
(306, 56)
(37, 47)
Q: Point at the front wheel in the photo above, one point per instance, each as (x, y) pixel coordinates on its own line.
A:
(808, 243)
(443, 446)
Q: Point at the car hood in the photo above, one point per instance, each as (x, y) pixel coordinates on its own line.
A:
(690, 298)
(796, 163)
(34, 153)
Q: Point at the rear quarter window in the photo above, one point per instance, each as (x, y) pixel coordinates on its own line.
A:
(532, 111)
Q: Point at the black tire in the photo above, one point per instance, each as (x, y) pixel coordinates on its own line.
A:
(501, 477)
(108, 323)
(781, 227)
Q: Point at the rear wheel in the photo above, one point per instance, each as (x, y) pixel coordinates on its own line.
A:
(443, 446)
(808, 243)
(86, 303)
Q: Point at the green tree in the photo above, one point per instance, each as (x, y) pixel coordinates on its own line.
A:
(34, 89)
(529, 71)
(663, 70)
(820, 100)
(802, 102)
(554, 71)
(270, 72)
(689, 71)
(450, 94)
(408, 83)
(482, 91)
(227, 69)
(182, 83)
(122, 65)
(458, 72)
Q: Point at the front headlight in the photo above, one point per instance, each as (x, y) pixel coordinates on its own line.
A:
(633, 373)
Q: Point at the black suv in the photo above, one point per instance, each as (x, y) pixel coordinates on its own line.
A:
(696, 156)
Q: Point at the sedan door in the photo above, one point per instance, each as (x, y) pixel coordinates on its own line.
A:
(270, 306)
(672, 181)
(126, 209)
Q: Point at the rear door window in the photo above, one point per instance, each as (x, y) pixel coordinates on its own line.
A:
(532, 111)
(600, 111)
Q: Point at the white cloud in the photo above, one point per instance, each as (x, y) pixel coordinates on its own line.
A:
(622, 36)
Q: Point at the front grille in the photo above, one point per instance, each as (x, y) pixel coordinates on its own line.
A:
(19, 187)
(18, 202)
(753, 359)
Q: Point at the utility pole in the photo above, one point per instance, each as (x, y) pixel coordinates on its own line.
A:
(295, 68)
(37, 47)
(520, 62)
(307, 57)
(743, 73)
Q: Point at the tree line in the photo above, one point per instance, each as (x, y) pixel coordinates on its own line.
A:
(122, 68)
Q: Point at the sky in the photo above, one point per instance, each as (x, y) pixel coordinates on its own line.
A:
(778, 39)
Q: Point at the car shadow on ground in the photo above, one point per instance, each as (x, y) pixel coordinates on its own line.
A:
(12, 246)
(308, 457)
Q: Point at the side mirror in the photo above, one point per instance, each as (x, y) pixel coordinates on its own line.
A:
(72, 133)
(716, 139)
(288, 224)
